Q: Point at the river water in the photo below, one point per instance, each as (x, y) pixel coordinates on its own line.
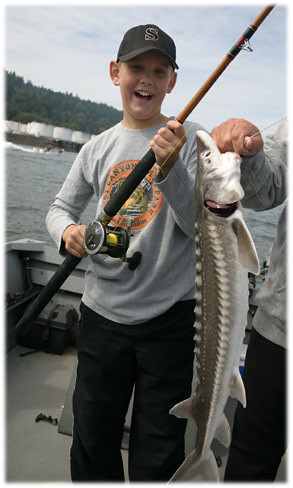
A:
(34, 178)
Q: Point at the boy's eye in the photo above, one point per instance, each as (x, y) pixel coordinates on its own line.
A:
(160, 72)
(135, 67)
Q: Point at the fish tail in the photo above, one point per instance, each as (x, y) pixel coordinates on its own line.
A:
(194, 469)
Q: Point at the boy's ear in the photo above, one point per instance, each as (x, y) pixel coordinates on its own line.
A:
(172, 82)
(114, 73)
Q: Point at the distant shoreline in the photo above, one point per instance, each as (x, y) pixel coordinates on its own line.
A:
(29, 140)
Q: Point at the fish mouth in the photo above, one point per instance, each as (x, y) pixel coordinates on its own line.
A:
(221, 209)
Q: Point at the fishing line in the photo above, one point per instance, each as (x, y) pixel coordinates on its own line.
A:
(268, 127)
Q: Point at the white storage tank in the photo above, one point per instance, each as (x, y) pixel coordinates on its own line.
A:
(34, 129)
(80, 137)
(62, 133)
(30, 128)
(23, 128)
(6, 125)
(46, 130)
(11, 126)
(38, 129)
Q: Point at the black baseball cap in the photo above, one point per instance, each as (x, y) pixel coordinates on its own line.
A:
(143, 38)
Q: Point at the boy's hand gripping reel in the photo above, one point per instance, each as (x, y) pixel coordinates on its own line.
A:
(114, 241)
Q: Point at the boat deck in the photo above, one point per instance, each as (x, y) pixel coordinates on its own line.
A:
(36, 451)
(37, 383)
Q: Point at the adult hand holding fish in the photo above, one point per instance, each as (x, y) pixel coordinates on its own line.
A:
(238, 135)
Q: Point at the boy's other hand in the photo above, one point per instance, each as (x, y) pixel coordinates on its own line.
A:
(73, 239)
(166, 145)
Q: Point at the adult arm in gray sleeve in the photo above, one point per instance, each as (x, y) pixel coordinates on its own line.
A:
(264, 176)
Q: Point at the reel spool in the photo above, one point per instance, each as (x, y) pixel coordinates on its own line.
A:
(101, 239)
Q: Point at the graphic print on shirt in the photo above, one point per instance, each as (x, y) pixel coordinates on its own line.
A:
(144, 203)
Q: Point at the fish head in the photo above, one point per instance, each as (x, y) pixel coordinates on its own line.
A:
(218, 175)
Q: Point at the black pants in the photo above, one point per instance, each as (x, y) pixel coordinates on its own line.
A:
(259, 433)
(156, 357)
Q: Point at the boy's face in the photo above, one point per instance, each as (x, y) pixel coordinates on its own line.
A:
(144, 82)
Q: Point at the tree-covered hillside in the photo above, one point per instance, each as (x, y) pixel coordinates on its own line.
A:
(27, 103)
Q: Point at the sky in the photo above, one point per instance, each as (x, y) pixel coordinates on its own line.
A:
(68, 48)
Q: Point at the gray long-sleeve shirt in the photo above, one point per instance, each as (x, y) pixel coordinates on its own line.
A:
(264, 179)
(162, 214)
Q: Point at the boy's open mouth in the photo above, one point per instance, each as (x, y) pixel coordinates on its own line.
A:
(143, 95)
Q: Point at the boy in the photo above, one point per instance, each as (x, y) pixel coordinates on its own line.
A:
(136, 326)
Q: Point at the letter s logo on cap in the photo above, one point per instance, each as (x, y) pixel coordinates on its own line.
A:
(151, 34)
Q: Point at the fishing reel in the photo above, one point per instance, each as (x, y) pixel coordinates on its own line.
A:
(114, 241)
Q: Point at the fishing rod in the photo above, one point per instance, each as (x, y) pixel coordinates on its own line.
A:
(99, 237)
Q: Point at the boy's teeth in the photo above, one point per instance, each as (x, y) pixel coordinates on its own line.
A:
(143, 94)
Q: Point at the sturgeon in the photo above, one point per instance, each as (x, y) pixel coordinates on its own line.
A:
(225, 254)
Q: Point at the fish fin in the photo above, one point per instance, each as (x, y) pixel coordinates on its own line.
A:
(193, 469)
(183, 410)
(247, 254)
(238, 390)
(222, 433)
